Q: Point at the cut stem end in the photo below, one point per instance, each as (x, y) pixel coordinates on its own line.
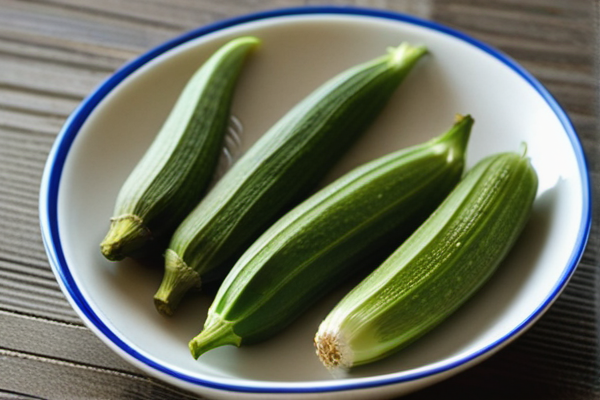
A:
(219, 334)
(177, 281)
(126, 235)
(332, 352)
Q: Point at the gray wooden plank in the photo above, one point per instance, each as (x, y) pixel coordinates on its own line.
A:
(55, 379)
(38, 75)
(26, 266)
(8, 395)
(59, 340)
(42, 123)
(18, 100)
(183, 14)
(173, 16)
(68, 25)
(24, 50)
(93, 50)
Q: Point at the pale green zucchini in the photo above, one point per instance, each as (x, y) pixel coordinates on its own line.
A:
(177, 168)
(436, 269)
(328, 237)
(278, 171)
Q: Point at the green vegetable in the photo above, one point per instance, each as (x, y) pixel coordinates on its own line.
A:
(175, 171)
(326, 238)
(278, 171)
(437, 269)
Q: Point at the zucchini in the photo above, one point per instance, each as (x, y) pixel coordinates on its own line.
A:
(278, 171)
(177, 168)
(436, 269)
(328, 237)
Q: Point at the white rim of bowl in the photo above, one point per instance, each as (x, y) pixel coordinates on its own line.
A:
(58, 155)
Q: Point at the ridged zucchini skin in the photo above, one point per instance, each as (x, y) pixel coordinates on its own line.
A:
(436, 269)
(278, 171)
(327, 238)
(180, 163)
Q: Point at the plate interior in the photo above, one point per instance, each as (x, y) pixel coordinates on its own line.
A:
(297, 55)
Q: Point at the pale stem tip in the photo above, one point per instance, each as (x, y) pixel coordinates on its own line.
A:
(523, 149)
(406, 53)
(458, 135)
(211, 337)
(332, 352)
(127, 235)
(177, 281)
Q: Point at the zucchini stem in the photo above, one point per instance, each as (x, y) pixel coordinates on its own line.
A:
(219, 334)
(126, 234)
(178, 279)
(523, 149)
(459, 132)
(406, 55)
(332, 350)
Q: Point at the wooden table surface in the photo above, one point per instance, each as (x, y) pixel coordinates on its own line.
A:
(54, 52)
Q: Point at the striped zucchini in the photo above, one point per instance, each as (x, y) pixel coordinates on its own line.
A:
(438, 267)
(329, 236)
(278, 171)
(180, 163)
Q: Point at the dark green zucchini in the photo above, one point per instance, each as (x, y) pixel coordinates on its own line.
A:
(172, 176)
(278, 171)
(437, 269)
(329, 237)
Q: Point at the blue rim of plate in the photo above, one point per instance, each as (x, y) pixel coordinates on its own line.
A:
(58, 155)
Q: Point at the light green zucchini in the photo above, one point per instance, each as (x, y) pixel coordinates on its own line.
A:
(329, 237)
(436, 269)
(176, 170)
(278, 171)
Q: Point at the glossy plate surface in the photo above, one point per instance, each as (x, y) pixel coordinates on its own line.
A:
(108, 133)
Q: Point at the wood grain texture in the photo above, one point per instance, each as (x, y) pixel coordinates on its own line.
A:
(53, 53)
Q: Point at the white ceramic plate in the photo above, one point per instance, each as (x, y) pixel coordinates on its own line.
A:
(109, 132)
